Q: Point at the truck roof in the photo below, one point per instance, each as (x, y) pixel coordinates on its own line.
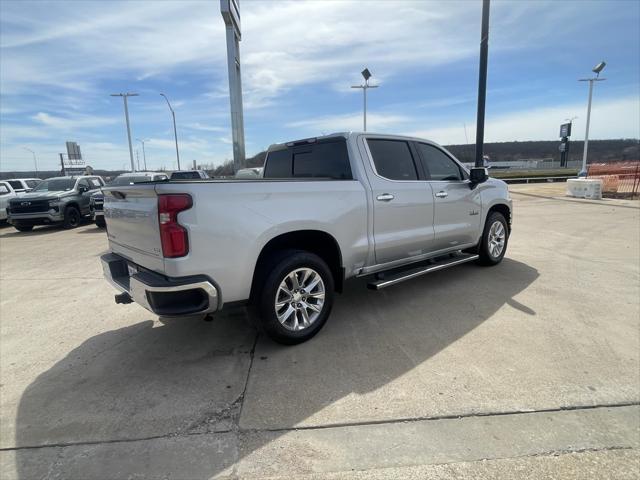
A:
(278, 146)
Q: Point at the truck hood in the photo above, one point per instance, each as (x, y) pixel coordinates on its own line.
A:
(45, 195)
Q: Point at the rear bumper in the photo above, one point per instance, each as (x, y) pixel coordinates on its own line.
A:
(157, 293)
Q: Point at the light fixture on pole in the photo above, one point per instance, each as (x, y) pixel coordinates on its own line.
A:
(126, 117)
(144, 154)
(175, 131)
(597, 69)
(35, 160)
(366, 74)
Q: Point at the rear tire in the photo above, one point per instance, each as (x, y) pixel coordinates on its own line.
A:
(23, 228)
(296, 297)
(71, 217)
(100, 223)
(495, 237)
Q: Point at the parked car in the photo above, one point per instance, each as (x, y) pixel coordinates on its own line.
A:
(97, 199)
(58, 200)
(23, 185)
(188, 175)
(251, 172)
(328, 209)
(6, 193)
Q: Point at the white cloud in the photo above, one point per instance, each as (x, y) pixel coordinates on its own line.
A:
(348, 122)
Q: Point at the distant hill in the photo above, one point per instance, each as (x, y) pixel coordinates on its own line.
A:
(600, 151)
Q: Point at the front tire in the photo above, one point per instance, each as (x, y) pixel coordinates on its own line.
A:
(495, 237)
(71, 217)
(100, 223)
(296, 297)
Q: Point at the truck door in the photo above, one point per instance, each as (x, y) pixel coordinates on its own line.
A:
(403, 204)
(457, 206)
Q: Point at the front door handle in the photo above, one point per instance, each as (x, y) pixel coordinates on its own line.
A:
(442, 194)
(385, 197)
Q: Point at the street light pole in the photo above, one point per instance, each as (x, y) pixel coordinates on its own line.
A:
(482, 83)
(35, 160)
(367, 75)
(175, 131)
(144, 154)
(126, 117)
(597, 69)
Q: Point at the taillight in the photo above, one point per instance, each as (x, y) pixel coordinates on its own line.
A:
(173, 236)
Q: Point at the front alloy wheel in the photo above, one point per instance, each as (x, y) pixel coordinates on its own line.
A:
(497, 237)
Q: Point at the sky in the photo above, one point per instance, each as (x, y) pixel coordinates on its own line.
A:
(61, 60)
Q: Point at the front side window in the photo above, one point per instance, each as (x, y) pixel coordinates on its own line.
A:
(95, 183)
(32, 183)
(83, 183)
(393, 159)
(438, 164)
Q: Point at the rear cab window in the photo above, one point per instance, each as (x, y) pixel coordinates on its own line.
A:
(324, 159)
(393, 159)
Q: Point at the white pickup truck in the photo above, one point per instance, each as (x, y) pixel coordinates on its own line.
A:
(327, 209)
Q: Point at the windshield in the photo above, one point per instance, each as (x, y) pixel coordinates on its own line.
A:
(131, 179)
(55, 185)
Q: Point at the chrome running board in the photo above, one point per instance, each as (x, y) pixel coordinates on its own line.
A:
(387, 279)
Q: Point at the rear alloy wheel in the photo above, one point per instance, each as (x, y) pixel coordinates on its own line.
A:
(296, 298)
(71, 217)
(494, 241)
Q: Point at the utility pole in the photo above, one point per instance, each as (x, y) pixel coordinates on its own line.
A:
(482, 83)
(138, 158)
(597, 69)
(126, 117)
(35, 160)
(230, 10)
(144, 155)
(366, 74)
(175, 131)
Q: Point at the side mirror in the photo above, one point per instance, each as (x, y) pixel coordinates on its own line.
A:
(478, 175)
(82, 188)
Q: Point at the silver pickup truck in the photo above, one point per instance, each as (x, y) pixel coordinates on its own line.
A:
(327, 209)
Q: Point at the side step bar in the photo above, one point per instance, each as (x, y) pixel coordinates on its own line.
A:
(401, 276)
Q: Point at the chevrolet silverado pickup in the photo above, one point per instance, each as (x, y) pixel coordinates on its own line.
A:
(59, 200)
(325, 210)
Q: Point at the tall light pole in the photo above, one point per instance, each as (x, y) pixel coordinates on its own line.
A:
(175, 131)
(230, 10)
(126, 117)
(35, 160)
(367, 75)
(482, 83)
(597, 69)
(144, 154)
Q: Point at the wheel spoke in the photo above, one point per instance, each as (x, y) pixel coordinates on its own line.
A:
(293, 276)
(283, 317)
(312, 306)
(305, 317)
(299, 299)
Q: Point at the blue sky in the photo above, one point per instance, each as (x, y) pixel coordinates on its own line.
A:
(59, 61)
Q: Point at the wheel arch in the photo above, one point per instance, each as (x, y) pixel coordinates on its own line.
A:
(505, 210)
(318, 242)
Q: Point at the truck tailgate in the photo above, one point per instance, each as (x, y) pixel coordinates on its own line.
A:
(131, 213)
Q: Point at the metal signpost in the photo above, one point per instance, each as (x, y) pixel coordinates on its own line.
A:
(366, 74)
(565, 133)
(230, 10)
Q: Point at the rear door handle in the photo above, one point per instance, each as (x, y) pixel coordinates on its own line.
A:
(442, 194)
(385, 197)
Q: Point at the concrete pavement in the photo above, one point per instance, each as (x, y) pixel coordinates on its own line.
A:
(427, 378)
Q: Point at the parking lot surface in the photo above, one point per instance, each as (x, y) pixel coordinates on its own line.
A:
(529, 369)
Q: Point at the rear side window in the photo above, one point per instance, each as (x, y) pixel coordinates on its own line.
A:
(318, 160)
(16, 185)
(393, 159)
(439, 165)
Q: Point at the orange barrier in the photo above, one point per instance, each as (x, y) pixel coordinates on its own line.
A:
(618, 178)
